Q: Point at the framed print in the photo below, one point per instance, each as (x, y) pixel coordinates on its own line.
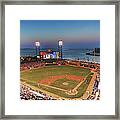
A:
(60, 60)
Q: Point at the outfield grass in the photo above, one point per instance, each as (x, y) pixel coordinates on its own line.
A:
(33, 76)
(42, 73)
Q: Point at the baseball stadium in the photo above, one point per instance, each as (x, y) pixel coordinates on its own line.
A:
(48, 76)
(59, 59)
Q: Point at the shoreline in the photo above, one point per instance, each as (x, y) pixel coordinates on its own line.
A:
(64, 59)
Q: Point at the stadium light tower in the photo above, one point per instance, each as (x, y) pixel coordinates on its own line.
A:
(94, 55)
(37, 46)
(60, 44)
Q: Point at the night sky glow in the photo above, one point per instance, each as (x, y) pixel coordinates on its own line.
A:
(74, 33)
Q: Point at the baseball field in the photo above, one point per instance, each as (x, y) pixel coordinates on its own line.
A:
(62, 81)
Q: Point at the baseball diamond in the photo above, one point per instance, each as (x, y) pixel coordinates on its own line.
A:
(67, 82)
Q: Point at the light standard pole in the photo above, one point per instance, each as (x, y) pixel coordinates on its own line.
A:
(37, 46)
(94, 55)
(60, 44)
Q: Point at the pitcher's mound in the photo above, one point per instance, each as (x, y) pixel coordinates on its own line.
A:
(65, 83)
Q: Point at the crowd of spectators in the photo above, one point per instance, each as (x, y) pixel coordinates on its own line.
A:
(94, 95)
(84, 64)
(38, 64)
(30, 65)
(26, 93)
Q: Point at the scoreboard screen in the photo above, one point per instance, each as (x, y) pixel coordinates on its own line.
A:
(49, 55)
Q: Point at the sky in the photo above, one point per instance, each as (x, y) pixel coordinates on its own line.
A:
(74, 33)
